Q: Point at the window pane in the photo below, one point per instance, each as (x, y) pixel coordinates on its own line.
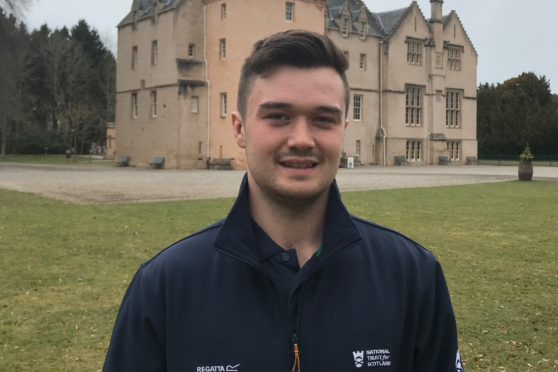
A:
(418, 97)
(407, 116)
(418, 116)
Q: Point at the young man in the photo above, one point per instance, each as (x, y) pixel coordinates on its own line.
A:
(289, 280)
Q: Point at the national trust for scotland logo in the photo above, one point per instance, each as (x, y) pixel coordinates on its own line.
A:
(359, 358)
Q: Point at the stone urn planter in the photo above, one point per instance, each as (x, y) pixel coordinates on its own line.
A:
(525, 171)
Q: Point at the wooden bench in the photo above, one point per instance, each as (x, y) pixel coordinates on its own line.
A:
(123, 161)
(443, 160)
(157, 163)
(224, 163)
(471, 160)
(400, 160)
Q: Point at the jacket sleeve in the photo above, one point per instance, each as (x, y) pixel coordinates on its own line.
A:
(436, 347)
(137, 342)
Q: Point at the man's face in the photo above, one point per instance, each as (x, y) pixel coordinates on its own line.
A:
(293, 131)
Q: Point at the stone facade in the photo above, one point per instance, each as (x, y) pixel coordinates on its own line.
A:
(401, 65)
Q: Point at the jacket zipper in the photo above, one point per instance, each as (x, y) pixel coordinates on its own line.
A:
(294, 336)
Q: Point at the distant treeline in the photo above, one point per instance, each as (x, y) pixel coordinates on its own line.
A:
(57, 88)
(521, 110)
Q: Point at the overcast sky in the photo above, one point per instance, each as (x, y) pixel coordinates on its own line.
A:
(511, 36)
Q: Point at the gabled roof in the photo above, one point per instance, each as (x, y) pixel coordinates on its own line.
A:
(145, 10)
(446, 20)
(335, 7)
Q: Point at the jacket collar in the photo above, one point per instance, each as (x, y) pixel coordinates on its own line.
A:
(236, 235)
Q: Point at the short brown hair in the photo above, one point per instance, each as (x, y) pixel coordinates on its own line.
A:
(296, 48)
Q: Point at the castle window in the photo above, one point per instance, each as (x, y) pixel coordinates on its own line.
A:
(135, 57)
(413, 106)
(154, 53)
(194, 105)
(154, 103)
(362, 30)
(289, 11)
(345, 27)
(357, 107)
(414, 53)
(454, 58)
(191, 50)
(223, 104)
(358, 148)
(362, 64)
(223, 11)
(453, 109)
(134, 105)
(223, 48)
(453, 150)
(413, 151)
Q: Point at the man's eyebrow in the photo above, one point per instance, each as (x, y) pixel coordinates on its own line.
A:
(274, 105)
(279, 105)
(330, 109)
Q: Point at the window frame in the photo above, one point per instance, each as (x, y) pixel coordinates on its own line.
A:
(362, 30)
(223, 11)
(454, 105)
(453, 60)
(289, 14)
(414, 52)
(362, 62)
(224, 105)
(413, 150)
(191, 50)
(134, 105)
(358, 107)
(358, 148)
(135, 58)
(413, 105)
(153, 96)
(223, 48)
(454, 150)
(345, 27)
(194, 108)
(154, 52)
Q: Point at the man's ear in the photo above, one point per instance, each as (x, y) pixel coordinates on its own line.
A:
(346, 124)
(238, 130)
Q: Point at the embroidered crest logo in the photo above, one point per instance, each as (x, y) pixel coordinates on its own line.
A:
(359, 358)
(458, 364)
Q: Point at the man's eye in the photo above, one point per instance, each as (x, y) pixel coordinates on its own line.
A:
(324, 120)
(277, 117)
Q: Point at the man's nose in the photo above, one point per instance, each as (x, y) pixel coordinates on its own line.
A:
(301, 136)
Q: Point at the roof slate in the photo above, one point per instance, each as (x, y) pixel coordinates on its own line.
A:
(145, 10)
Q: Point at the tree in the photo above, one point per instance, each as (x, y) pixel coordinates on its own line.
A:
(16, 7)
(518, 111)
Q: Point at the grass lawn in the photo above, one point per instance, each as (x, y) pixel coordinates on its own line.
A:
(53, 159)
(64, 268)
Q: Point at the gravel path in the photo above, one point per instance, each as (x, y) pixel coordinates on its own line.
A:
(90, 184)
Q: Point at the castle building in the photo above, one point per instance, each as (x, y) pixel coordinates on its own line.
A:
(413, 79)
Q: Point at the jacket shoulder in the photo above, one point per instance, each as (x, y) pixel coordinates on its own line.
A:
(190, 248)
(378, 234)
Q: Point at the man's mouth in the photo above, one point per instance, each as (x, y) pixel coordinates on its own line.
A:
(298, 165)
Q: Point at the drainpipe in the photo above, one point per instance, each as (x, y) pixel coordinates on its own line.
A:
(207, 81)
(382, 98)
(430, 103)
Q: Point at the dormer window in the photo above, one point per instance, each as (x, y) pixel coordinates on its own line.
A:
(345, 27)
(154, 9)
(135, 19)
(362, 30)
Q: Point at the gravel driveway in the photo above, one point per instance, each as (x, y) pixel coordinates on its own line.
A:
(90, 184)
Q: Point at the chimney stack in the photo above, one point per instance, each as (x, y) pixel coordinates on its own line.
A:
(436, 10)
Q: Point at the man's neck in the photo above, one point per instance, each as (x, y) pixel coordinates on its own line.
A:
(298, 226)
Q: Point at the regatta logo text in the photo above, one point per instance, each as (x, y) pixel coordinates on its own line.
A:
(374, 358)
(218, 369)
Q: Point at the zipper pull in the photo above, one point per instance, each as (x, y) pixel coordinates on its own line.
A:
(296, 354)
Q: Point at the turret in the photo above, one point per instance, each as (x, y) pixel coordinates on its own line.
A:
(437, 25)
(437, 6)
